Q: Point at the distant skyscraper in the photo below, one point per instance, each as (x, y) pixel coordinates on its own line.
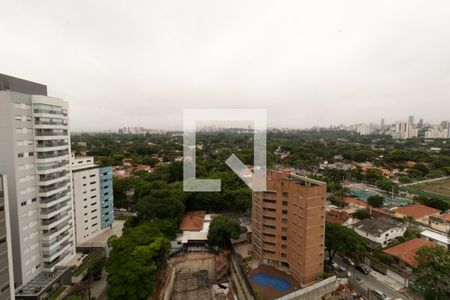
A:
(6, 268)
(382, 124)
(420, 124)
(405, 130)
(288, 222)
(35, 154)
(411, 120)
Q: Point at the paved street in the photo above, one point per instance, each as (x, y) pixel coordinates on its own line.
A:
(369, 281)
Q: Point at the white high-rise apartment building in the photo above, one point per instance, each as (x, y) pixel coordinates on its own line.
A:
(93, 198)
(405, 130)
(35, 155)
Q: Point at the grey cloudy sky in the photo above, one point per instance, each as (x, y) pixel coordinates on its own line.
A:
(139, 63)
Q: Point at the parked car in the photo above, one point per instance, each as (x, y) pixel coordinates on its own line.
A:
(332, 263)
(363, 269)
(349, 261)
(344, 271)
(379, 295)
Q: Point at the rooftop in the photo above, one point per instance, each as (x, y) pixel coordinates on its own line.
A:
(436, 236)
(337, 217)
(354, 201)
(445, 217)
(417, 210)
(406, 251)
(377, 226)
(193, 221)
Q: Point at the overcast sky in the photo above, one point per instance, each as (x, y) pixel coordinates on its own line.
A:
(139, 63)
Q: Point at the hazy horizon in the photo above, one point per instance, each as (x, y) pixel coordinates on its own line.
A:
(308, 63)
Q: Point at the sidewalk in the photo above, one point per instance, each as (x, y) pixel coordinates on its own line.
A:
(387, 280)
(397, 286)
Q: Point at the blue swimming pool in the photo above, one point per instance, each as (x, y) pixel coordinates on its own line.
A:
(279, 284)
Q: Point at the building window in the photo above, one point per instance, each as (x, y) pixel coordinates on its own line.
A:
(284, 238)
(284, 212)
(285, 203)
(285, 194)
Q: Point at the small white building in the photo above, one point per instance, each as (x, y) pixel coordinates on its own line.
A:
(440, 238)
(379, 231)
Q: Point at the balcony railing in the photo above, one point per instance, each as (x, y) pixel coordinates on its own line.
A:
(48, 111)
(50, 144)
(40, 122)
(60, 195)
(47, 254)
(50, 133)
(53, 187)
(55, 240)
(54, 208)
(53, 176)
(54, 219)
(47, 233)
(46, 155)
(52, 165)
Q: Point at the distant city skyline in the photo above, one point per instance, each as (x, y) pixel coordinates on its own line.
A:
(140, 65)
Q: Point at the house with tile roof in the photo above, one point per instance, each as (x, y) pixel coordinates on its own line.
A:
(440, 223)
(419, 212)
(379, 231)
(405, 253)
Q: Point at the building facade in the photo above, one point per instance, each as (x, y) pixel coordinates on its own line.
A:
(288, 225)
(35, 154)
(379, 232)
(6, 268)
(93, 198)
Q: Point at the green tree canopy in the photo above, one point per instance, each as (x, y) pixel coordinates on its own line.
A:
(221, 230)
(134, 262)
(341, 239)
(375, 201)
(433, 270)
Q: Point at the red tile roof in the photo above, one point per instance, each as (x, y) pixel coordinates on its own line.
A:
(445, 217)
(417, 211)
(193, 221)
(406, 251)
(353, 201)
(337, 217)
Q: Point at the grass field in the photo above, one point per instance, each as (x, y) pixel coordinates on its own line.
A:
(441, 187)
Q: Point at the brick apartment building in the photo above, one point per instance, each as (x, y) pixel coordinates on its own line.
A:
(288, 224)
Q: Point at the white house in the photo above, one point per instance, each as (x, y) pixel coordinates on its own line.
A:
(379, 231)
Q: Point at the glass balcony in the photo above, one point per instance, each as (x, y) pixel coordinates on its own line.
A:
(46, 200)
(49, 144)
(53, 154)
(45, 211)
(55, 240)
(55, 219)
(47, 233)
(52, 176)
(50, 132)
(52, 165)
(53, 187)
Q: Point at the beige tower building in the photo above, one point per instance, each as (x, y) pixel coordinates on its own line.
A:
(288, 222)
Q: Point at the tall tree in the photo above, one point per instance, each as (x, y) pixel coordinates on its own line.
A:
(341, 239)
(375, 201)
(433, 270)
(134, 262)
(221, 230)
